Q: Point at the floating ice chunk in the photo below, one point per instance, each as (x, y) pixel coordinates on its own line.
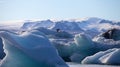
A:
(107, 40)
(104, 42)
(29, 49)
(65, 50)
(110, 56)
(83, 41)
(84, 47)
(76, 50)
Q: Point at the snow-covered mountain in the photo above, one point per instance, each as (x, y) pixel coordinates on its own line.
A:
(67, 26)
(84, 23)
(92, 26)
(32, 24)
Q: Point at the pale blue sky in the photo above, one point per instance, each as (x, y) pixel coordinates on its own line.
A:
(58, 9)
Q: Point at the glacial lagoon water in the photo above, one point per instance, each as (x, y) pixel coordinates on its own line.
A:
(89, 65)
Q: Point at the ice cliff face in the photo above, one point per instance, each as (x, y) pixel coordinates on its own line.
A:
(29, 49)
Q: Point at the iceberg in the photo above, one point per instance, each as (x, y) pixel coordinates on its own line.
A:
(83, 41)
(109, 57)
(61, 35)
(65, 50)
(75, 50)
(29, 49)
(108, 40)
(84, 47)
(58, 39)
(108, 44)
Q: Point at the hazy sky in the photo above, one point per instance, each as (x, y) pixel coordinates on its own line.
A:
(58, 9)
